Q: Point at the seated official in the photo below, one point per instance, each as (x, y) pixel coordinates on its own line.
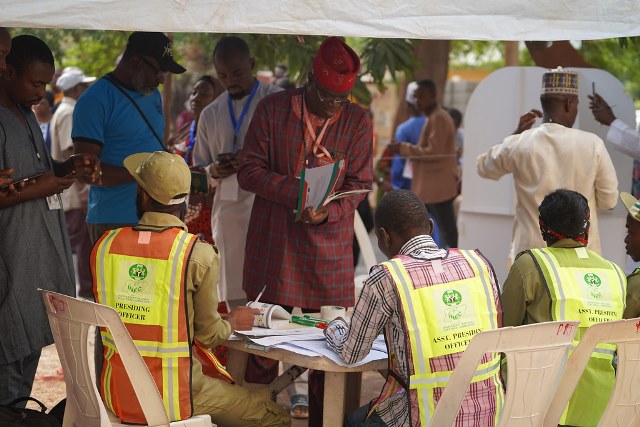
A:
(567, 281)
(632, 246)
(438, 297)
(162, 281)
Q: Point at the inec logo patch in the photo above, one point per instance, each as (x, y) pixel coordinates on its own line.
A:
(452, 299)
(137, 272)
(593, 281)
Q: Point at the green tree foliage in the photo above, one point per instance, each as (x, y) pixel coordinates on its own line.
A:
(96, 52)
(93, 51)
(383, 60)
(620, 57)
(475, 54)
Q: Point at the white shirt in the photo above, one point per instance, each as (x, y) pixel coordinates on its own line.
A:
(543, 160)
(624, 138)
(61, 124)
(231, 205)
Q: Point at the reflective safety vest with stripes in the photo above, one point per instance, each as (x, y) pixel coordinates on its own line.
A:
(142, 274)
(586, 287)
(440, 320)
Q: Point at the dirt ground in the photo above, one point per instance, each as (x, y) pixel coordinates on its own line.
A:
(49, 386)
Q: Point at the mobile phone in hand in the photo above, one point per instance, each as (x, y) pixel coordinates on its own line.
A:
(23, 179)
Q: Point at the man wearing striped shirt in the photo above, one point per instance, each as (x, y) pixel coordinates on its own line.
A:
(422, 294)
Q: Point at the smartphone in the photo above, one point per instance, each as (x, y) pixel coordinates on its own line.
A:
(23, 179)
(593, 89)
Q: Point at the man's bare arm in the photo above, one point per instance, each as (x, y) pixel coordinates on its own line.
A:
(111, 175)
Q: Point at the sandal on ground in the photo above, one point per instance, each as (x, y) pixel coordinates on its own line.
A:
(299, 406)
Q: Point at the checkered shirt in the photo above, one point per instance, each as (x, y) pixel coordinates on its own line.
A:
(379, 309)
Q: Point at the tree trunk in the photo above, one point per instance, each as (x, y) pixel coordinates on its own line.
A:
(432, 62)
(511, 54)
(558, 54)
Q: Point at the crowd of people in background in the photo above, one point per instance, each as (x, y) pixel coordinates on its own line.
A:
(208, 220)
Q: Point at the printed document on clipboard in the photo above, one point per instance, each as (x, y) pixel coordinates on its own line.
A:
(317, 187)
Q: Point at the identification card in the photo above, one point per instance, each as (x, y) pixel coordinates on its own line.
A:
(54, 202)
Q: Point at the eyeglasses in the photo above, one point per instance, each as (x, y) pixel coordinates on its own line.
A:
(155, 69)
(329, 99)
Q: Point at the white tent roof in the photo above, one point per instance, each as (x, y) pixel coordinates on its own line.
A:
(424, 19)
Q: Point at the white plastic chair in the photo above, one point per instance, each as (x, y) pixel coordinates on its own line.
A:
(366, 250)
(536, 356)
(623, 408)
(71, 320)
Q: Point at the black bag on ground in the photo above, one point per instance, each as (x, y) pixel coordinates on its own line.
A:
(11, 416)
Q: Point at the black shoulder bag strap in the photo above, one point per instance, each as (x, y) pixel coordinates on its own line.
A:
(135, 104)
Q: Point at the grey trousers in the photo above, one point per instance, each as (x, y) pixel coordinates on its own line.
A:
(16, 379)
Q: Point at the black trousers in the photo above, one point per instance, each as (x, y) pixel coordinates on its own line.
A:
(444, 215)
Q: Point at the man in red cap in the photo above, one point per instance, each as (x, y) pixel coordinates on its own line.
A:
(306, 263)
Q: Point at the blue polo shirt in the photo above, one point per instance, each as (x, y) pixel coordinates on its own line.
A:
(104, 116)
(407, 131)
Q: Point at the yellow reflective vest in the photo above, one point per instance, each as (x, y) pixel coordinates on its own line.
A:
(440, 320)
(142, 274)
(586, 287)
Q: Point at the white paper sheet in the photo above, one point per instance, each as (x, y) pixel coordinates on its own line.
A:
(229, 188)
(279, 339)
(323, 349)
(265, 332)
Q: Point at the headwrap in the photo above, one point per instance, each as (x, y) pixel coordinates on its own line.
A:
(336, 65)
(559, 234)
(559, 81)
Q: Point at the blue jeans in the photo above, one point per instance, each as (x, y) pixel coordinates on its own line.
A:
(357, 418)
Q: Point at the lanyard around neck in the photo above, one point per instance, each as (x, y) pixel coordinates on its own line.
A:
(237, 124)
(31, 135)
(317, 140)
(191, 141)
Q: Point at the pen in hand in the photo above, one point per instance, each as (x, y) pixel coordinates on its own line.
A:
(257, 300)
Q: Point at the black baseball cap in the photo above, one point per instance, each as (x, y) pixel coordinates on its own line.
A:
(157, 46)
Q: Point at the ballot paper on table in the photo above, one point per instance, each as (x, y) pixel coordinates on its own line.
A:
(317, 187)
(322, 349)
(274, 340)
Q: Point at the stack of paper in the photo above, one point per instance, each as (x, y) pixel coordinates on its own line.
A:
(317, 187)
(307, 341)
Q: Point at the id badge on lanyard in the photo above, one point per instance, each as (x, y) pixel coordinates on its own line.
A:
(54, 202)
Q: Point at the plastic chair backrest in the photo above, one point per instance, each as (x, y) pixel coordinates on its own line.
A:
(536, 355)
(624, 404)
(366, 249)
(70, 321)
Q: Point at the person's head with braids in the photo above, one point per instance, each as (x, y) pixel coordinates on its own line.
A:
(564, 214)
(400, 216)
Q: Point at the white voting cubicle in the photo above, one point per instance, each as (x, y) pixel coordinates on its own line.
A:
(487, 209)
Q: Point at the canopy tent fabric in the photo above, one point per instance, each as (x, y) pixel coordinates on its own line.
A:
(426, 19)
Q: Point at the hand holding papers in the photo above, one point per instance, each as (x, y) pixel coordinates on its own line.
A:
(317, 187)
